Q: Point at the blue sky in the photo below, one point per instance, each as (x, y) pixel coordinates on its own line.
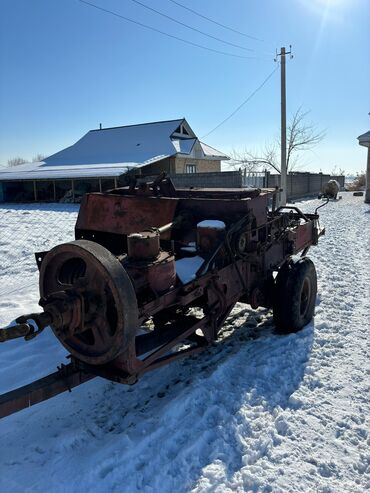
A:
(66, 67)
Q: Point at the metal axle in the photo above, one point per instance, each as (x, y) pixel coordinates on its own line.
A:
(28, 326)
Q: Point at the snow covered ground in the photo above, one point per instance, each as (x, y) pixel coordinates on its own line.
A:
(256, 412)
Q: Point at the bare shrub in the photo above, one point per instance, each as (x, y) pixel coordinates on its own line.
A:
(358, 183)
(16, 161)
(38, 157)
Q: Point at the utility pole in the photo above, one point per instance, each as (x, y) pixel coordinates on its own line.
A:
(283, 164)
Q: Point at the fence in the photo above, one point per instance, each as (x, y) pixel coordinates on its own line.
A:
(224, 179)
(26, 229)
(301, 185)
(254, 179)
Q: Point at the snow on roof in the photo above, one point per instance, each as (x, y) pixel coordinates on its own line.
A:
(99, 151)
(40, 171)
(364, 139)
(130, 144)
(212, 152)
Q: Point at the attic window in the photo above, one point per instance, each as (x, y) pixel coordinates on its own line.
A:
(181, 130)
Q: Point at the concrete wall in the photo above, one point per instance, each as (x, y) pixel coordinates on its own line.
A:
(303, 184)
(226, 179)
(340, 180)
(298, 184)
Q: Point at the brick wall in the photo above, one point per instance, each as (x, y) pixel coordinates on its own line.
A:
(175, 165)
(203, 165)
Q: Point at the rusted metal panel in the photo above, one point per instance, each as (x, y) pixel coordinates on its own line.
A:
(303, 236)
(124, 215)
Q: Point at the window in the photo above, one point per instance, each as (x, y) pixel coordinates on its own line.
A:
(191, 168)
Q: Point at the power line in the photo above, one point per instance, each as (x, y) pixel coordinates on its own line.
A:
(215, 22)
(191, 27)
(243, 103)
(163, 32)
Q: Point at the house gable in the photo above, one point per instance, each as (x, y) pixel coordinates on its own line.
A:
(184, 131)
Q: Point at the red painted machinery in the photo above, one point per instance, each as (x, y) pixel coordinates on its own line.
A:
(120, 297)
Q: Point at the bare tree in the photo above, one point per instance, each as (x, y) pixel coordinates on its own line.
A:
(253, 161)
(16, 161)
(301, 136)
(336, 171)
(38, 157)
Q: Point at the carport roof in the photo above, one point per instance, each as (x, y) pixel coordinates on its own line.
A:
(40, 171)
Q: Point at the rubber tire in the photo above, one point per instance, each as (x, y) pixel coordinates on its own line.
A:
(295, 295)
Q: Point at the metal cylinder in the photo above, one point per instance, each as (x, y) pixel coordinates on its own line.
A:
(143, 245)
(209, 234)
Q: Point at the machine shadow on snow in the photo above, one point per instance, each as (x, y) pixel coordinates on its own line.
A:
(274, 367)
(250, 361)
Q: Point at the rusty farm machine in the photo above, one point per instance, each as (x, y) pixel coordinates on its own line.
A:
(148, 254)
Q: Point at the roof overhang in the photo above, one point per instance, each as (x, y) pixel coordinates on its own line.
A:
(212, 153)
(364, 139)
(40, 171)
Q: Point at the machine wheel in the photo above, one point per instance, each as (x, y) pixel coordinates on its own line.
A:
(110, 316)
(295, 295)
